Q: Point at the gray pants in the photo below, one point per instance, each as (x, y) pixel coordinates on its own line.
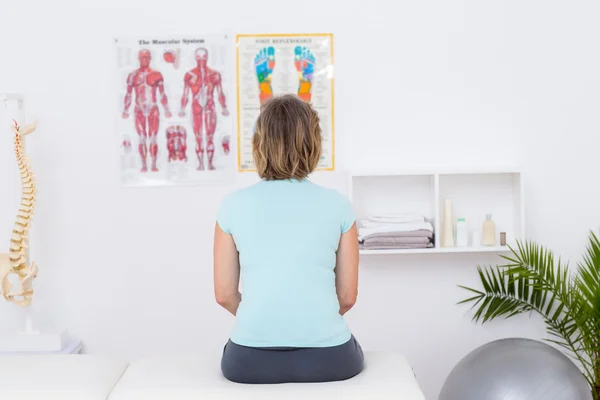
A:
(243, 364)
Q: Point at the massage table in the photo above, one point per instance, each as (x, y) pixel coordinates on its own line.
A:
(192, 377)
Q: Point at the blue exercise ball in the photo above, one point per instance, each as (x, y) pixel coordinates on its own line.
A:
(515, 369)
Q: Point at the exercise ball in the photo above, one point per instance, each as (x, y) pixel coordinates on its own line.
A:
(515, 369)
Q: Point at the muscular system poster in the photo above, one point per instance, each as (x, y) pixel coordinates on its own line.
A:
(269, 65)
(173, 100)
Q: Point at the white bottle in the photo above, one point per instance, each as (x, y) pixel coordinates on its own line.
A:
(447, 228)
(462, 234)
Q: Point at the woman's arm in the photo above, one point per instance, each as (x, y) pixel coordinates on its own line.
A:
(346, 270)
(226, 271)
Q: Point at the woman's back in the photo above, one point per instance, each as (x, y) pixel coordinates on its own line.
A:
(293, 246)
(287, 234)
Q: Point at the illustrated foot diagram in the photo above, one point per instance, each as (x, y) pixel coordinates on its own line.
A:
(305, 65)
(264, 62)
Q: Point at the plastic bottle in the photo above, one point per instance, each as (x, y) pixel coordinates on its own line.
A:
(447, 228)
(489, 231)
(462, 235)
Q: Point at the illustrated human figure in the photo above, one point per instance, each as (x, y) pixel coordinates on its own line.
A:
(202, 82)
(145, 82)
(264, 64)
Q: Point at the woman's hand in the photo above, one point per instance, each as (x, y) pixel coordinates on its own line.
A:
(346, 270)
(226, 271)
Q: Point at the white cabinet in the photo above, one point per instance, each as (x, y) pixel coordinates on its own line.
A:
(474, 193)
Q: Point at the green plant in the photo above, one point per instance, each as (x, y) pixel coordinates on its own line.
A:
(533, 280)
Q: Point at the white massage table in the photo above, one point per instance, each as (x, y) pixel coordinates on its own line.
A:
(89, 377)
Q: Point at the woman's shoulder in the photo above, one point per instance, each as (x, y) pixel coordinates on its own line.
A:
(333, 196)
(232, 206)
(238, 195)
(308, 191)
(338, 205)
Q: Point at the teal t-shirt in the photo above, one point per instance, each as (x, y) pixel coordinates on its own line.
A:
(287, 234)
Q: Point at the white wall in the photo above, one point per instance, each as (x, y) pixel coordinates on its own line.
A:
(417, 83)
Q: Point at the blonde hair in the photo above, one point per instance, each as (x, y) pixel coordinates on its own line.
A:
(287, 140)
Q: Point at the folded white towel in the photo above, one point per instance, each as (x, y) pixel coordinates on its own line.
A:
(362, 232)
(397, 218)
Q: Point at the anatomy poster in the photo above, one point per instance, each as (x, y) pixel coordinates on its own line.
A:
(269, 65)
(173, 101)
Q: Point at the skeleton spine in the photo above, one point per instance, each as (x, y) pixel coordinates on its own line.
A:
(20, 233)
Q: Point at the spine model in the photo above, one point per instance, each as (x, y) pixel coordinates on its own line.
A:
(16, 261)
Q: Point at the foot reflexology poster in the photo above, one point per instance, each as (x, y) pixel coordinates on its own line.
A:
(269, 65)
(172, 117)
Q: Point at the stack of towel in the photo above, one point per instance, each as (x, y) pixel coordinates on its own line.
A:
(396, 231)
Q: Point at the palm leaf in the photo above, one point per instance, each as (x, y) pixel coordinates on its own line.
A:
(533, 279)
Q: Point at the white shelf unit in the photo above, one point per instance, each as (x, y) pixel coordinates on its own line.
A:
(474, 192)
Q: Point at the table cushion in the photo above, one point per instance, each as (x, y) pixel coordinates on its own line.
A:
(386, 376)
(58, 377)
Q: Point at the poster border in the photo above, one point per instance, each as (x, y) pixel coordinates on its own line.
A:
(237, 76)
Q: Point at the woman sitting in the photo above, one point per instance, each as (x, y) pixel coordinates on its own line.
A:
(295, 245)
